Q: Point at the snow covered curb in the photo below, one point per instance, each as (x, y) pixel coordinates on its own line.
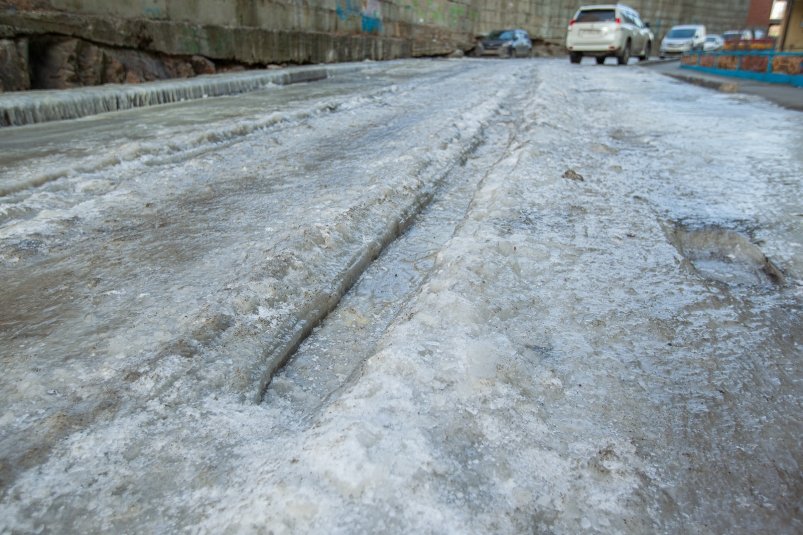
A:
(29, 107)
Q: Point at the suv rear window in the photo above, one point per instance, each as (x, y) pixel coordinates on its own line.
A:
(596, 15)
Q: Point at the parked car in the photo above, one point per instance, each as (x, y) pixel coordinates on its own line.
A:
(737, 35)
(608, 30)
(682, 39)
(713, 42)
(506, 44)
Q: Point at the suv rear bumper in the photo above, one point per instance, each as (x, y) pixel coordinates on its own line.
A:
(596, 50)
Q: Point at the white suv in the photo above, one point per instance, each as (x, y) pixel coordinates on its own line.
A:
(608, 30)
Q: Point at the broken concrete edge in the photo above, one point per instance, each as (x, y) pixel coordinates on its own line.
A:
(25, 108)
(724, 86)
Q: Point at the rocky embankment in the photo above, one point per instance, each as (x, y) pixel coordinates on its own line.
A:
(59, 62)
(38, 50)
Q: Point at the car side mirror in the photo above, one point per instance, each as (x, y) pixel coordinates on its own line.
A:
(647, 24)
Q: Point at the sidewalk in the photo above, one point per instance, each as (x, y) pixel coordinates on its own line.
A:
(786, 96)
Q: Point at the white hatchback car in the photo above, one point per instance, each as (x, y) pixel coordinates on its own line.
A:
(608, 30)
(713, 42)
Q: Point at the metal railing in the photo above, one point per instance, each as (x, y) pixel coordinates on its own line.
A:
(762, 65)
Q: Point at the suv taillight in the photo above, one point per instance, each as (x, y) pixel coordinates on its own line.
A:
(571, 22)
(618, 20)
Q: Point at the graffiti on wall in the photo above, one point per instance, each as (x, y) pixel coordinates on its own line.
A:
(368, 11)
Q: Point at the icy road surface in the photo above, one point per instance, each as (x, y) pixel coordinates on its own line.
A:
(586, 314)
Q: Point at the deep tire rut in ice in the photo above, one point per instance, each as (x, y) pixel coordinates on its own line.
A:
(331, 357)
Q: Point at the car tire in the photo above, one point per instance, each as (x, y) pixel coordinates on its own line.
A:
(647, 50)
(575, 57)
(512, 52)
(600, 60)
(624, 57)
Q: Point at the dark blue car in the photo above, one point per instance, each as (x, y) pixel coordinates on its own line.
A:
(505, 44)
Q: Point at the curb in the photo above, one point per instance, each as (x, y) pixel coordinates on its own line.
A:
(725, 87)
(656, 61)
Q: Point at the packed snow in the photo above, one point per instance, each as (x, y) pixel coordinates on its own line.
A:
(586, 313)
